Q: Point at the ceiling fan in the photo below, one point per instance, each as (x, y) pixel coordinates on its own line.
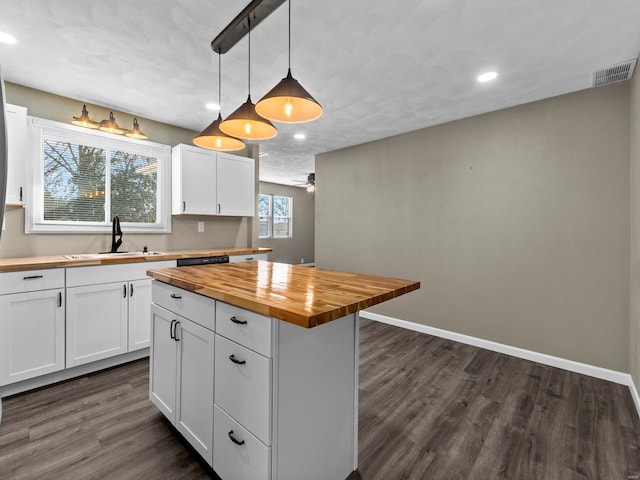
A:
(310, 184)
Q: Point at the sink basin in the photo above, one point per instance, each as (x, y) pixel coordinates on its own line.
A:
(97, 256)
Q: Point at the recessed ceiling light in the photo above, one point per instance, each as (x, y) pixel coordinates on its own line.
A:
(299, 136)
(487, 77)
(213, 106)
(6, 38)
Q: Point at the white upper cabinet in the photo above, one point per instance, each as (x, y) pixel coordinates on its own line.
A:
(205, 182)
(16, 148)
(193, 181)
(236, 185)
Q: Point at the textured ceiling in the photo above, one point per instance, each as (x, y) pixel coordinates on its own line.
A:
(379, 68)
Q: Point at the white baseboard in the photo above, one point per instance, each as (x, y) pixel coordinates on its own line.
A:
(572, 366)
(634, 393)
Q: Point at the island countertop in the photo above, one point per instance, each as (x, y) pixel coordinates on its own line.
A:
(301, 295)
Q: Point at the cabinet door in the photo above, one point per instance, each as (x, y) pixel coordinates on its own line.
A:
(32, 340)
(16, 148)
(194, 411)
(194, 181)
(139, 314)
(163, 362)
(96, 322)
(236, 185)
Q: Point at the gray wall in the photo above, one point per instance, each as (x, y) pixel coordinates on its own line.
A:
(634, 330)
(219, 231)
(301, 247)
(516, 222)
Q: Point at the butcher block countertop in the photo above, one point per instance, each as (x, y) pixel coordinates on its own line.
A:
(301, 295)
(54, 261)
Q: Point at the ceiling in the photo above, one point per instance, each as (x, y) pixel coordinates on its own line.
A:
(377, 69)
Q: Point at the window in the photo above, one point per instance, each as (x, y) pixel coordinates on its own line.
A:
(275, 215)
(81, 180)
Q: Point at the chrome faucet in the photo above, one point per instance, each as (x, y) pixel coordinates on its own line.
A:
(115, 230)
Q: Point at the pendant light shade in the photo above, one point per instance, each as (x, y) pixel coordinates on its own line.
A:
(245, 123)
(212, 137)
(288, 101)
(215, 139)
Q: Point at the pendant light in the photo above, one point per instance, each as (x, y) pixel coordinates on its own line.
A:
(245, 123)
(288, 101)
(212, 137)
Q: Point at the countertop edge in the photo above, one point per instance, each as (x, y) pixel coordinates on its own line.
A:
(60, 261)
(282, 313)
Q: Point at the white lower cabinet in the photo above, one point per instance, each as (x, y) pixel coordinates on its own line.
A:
(108, 310)
(237, 454)
(139, 305)
(243, 386)
(96, 322)
(284, 397)
(32, 340)
(31, 324)
(181, 376)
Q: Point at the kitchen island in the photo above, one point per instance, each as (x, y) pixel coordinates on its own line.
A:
(256, 365)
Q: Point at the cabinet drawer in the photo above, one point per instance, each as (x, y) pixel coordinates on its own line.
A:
(247, 328)
(248, 257)
(250, 460)
(197, 308)
(123, 272)
(31, 280)
(243, 390)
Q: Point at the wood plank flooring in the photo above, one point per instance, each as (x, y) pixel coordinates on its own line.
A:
(429, 409)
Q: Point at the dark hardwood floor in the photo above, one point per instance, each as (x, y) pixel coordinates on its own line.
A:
(429, 409)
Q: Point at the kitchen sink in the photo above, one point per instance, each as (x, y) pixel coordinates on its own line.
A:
(97, 256)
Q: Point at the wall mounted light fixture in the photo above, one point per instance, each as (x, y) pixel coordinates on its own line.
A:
(109, 125)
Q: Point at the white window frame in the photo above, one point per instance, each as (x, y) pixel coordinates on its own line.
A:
(270, 216)
(34, 210)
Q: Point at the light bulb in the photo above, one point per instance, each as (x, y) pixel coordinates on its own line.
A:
(247, 128)
(288, 108)
(218, 142)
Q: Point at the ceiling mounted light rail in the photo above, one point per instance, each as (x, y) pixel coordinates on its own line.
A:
(109, 125)
(288, 101)
(257, 11)
(212, 137)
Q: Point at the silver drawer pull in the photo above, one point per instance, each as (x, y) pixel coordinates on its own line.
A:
(32, 277)
(234, 439)
(236, 361)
